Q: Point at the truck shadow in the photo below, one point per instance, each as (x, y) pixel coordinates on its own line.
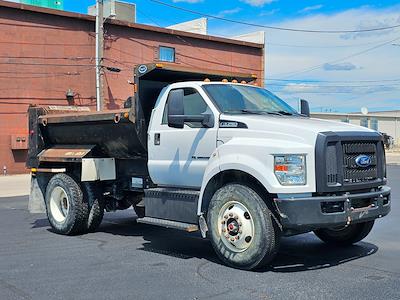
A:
(306, 252)
(297, 254)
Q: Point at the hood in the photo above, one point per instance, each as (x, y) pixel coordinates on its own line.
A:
(294, 128)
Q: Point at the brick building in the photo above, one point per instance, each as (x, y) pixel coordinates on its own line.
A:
(44, 53)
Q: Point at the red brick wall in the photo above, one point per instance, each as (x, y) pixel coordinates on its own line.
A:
(44, 55)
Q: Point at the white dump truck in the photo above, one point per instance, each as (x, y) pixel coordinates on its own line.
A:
(200, 150)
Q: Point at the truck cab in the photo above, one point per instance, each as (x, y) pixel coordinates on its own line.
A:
(211, 152)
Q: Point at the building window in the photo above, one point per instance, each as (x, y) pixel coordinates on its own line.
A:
(345, 120)
(364, 122)
(166, 54)
(374, 124)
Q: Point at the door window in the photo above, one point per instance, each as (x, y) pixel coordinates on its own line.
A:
(193, 104)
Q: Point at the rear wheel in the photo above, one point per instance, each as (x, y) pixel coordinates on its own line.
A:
(66, 209)
(345, 235)
(242, 230)
(96, 205)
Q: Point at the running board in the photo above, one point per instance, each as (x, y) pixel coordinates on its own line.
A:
(169, 224)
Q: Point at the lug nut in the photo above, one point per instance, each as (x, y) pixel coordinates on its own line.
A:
(223, 230)
(226, 216)
(231, 215)
(232, 239)
(223, 222)
(236, 217)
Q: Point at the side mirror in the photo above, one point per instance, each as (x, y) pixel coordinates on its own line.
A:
(304, 108)
(176, 114)
(175, 109)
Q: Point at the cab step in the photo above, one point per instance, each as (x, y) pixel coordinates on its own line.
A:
(169, 224)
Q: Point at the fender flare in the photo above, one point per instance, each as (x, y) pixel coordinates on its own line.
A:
(214, 170)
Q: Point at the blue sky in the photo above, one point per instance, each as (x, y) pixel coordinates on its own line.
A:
(335, 72)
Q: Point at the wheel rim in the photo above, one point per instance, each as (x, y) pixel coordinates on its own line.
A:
(59, 204)
(235, 226)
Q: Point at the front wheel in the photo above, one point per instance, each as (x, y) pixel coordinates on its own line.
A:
(242, 230)
(345, 235)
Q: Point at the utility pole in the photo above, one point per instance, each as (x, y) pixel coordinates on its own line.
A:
(99, 54)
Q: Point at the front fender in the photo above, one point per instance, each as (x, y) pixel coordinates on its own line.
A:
(255, 156)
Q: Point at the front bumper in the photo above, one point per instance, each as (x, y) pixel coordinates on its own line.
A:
(330, 211)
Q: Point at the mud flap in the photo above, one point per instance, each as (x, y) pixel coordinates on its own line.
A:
(36, 202)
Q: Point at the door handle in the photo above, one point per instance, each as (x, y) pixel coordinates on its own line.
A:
(156, 139)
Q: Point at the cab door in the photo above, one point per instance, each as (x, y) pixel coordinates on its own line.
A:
(179, 156)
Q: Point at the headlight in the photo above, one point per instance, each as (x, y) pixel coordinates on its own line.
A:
(290, 169)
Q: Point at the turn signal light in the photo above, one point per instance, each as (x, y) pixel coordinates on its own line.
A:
(282, 168)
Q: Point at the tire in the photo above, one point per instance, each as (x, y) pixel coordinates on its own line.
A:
(66, 209)
(241, 227)
(95, 201)
(345, 236)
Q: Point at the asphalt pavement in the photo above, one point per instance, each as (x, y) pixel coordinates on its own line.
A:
(125, 260)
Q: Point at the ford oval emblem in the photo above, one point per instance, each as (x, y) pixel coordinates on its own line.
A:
(142, 69)
(363, 161)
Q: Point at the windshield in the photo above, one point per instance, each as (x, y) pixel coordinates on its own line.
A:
(247, 99)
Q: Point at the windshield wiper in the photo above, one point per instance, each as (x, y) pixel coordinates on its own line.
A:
(262, 112)
(284, 113)
(247, 111)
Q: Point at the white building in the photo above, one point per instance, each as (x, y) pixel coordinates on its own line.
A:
(383, 121)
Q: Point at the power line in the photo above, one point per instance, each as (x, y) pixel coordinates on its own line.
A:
(45, 57)
(333, 92)
(43, 75)
(290, 74)
(269, 27)
(46, 44)
(335, 86)
(322, 47)
(330, 81)
(215, 60)
(42, 64)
